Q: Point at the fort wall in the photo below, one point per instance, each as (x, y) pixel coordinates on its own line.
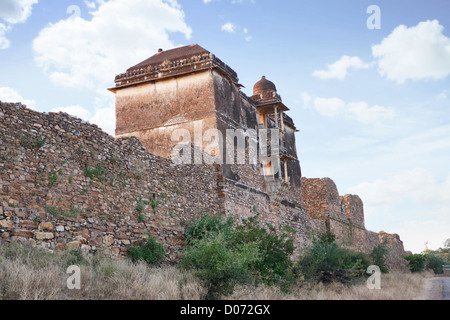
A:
(152, 111)
(65, 184)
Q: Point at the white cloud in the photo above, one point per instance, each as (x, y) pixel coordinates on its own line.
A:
(427, 203)
(339, 69)
(93, 4)
(418, 53)
(10, 95)
(12, 12)
(443, 95)
(418, 185)
(361, 111)
(329, 107)
(306, 99)
(89, 53)
(104, 117)
(76, 111)
(229, 27)
(366, 114)
(16, 11)
(4, 42)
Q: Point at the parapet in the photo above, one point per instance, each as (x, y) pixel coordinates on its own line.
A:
(322, 201)
(175, 62)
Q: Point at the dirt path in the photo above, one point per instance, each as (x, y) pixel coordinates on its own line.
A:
(437, 288)
(446, 288)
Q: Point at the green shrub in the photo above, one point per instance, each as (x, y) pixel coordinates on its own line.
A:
(275, 247)
(209, 225)
(326, 261)
(225, 255)
(149, 251)
(378, 256)
(219, 263)
(434, 263)
(416, 262)
(73, 257)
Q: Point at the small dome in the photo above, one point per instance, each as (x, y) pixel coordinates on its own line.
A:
(264, 85)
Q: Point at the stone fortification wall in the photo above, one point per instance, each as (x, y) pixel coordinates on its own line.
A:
(66, 184)
(344, 217)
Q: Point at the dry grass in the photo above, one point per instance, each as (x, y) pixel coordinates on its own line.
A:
(394, 286)
(36, 274)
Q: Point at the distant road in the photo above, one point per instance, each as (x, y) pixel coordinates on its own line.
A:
(445, 288)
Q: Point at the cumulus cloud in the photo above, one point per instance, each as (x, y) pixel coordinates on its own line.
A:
(329, 107)
(366, 114)
(4, 42)
(418, 185)
(229, 27)
(12, 12)
(361, 111)
(89, 53)
(104, 117)
(16, 11)
(8, 94)
(339, 69)
(427, 197)
(76, 111)
(419, 53)
(93, 4)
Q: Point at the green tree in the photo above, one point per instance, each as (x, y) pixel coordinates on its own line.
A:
(325, 261)
(219, 263)
(223, 255)
(378, 256)
(416, 262)
(434, 263)
(275, 247)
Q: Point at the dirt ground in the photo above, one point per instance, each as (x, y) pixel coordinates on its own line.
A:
(437, 288)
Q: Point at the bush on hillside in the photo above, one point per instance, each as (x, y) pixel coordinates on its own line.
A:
(378, 256)
(416, 262)
(149, 251)
(326, 262)
(223, 255)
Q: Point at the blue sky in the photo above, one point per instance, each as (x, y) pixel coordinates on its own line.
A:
(372, 105)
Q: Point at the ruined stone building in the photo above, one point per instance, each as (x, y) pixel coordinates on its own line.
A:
(65, 183)
(190, 88)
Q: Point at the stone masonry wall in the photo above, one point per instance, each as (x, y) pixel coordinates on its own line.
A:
(344, 216)
(66, 184)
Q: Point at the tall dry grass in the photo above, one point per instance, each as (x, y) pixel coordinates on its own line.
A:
(37, 274)
(394, 286)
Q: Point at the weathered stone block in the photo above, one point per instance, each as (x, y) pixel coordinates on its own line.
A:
(46, 226)
(7, 224)
(44, 235)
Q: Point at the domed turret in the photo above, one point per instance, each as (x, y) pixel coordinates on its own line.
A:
(264, 85)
